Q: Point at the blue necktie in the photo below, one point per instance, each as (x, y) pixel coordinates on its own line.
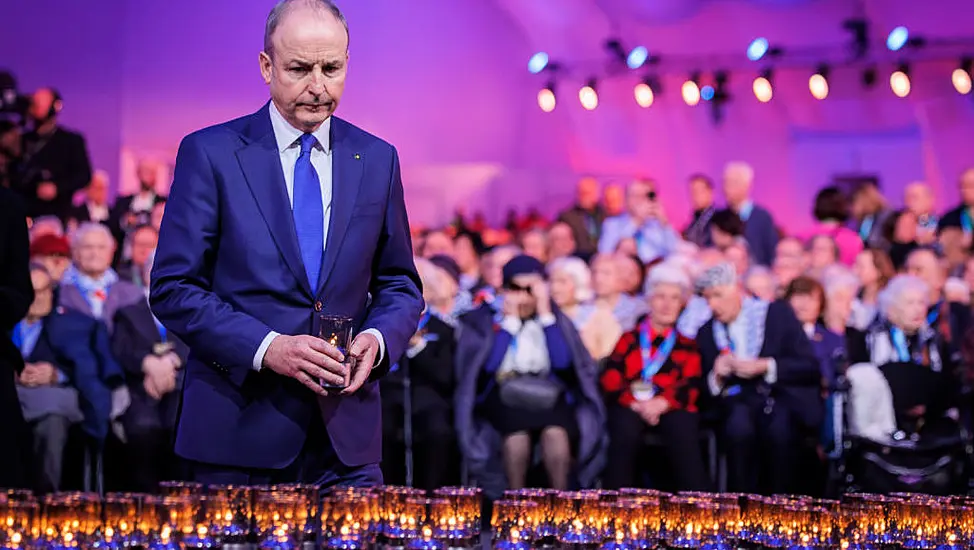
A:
(309, 213)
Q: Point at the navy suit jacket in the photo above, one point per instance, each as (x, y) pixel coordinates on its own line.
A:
(799, 382)
(228, 270)
(761, 236)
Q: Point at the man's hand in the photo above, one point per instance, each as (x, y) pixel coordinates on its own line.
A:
(308, 360)
(160, 376)
(656, 211)
(365, 350)
(512, 304)
(724, 365)
(46, 191)
(539, 289)
(751, 369)
(651, 411)
(38, 374)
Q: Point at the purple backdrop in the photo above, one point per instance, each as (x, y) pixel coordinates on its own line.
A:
(446, 82)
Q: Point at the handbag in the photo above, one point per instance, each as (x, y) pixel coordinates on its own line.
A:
(530, 392)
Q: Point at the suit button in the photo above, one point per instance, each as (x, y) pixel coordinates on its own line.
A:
(318, 306)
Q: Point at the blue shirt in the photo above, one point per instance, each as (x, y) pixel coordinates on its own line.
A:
(653, 239)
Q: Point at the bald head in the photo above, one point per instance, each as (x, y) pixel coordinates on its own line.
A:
(284, 8)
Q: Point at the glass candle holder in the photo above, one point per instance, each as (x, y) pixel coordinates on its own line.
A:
(398, 509)
(514, 524)
(427, 523)
(121, 522)
(71, 519)
(579, 519)
(645, 521)
(347, 519)
(460, 519)
(719, 524)
(229, 511)
(681, 519)
(19, 518)
(180, 489)
(280, 520)
(546, 530)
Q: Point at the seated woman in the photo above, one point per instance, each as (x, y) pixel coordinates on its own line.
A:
(902, 380)
(807, 298)
(652, 383)
(525, 377)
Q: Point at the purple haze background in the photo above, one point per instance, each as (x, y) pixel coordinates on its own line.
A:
(446, 82)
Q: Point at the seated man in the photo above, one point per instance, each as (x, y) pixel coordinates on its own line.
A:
(152, 360)
(60, 364)
(763, 375)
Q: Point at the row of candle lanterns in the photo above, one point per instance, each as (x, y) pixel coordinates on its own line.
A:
(285, 517)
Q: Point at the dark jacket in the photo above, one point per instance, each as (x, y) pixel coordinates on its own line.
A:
(61, 158)
(798, 386)
(761, 236)
(586, 227)
(431, 372)
(479, 441)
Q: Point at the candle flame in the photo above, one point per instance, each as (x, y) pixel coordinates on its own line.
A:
(68, 537)
(15, 538)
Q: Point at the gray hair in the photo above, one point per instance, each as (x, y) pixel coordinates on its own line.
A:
(86, 228)
(282, 8)
(668, 273)
(578, 270)
(897, 287)
(743, 169)
(835, 278)
(721, 274)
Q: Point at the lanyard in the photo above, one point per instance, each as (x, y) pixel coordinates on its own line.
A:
(18, 335)
(866, 227)
(652, 363)
(900, 344)
(423, 321)
(729, 348)
(162, 329)
(934, 313)
(965, 222)
(591, 225)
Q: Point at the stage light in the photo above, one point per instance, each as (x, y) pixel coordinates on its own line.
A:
(763, 89)
(707, 93)
(546, 98)
(897, 38)
(588, 97)
(538, 62)
(757, 49)
(899, 81)
(691, 92)
(818, 83)
(961, 77)
(643, 92)
(637, 57)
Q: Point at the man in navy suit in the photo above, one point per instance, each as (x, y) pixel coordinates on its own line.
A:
(759, 228)
(273, 220)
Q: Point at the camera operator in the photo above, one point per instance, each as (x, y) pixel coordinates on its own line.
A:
(55, 164)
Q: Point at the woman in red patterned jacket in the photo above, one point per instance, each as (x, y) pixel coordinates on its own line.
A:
(652, 383)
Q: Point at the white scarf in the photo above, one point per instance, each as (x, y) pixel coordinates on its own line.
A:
(528, 353)
(754, 315)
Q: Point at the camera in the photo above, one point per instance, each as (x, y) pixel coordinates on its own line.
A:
(13, 105)
(651, 195)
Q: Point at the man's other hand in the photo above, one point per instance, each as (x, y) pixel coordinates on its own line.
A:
(308, 360)
(365, 348)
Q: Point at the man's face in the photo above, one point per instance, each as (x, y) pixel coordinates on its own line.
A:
(736, 186)
(926, 266)
(724, 302)
(605, 276)
(438, 243)
(144, 241)
(43, 294)
(98, 190)
(638, 202)
(588, 193)
(918, 199)
(701, 195)
(94, 253)
(535, 245)
(40, 104)
(306, 69)
(614, 200)
(561, 241)
(147, 175)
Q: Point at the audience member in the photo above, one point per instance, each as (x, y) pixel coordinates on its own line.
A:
(874, 269)
(585, 217)
(535, 244)
(468, 249)
(614, 200)
(95, 207)
(561, 242)
(141, 241)
(702, 201)
(759, 228)
(645, 222)
(831, 212)
(52, 252)
(790, 261)
(960, 217)
(437, 242)
(760, 283)
(870, 215)
(135, 210)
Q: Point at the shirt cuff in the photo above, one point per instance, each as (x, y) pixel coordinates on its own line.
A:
(259, 356)
(547, 320)
(382, 343)
(714, 384)
(417, 349)
(771, 375)
(511, 324)
(62, 379)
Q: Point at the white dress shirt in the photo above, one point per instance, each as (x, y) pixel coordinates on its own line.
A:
(97, 212)
(289, 147)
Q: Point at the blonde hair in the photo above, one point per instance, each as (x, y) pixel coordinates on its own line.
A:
(580, 274)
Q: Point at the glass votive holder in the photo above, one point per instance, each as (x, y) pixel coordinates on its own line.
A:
(461, 517)
(71, 519)
(514, 523)
(230, 512)
(281, 520)
(180, 489)
(399, 508)
(20, 523)
(720, 524)
(546, 530)
(121, 522)
(579, 516)
(346, 520)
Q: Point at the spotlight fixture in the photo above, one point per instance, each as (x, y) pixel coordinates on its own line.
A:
(588, 97)
(897, 38)
(762, 86)
(720, 96)
(707, 93)
(546, 98)
(644, 94)
(818, 83)
(859, 28)
(961, 77)
(899, 81)
(538, 62)
(637, 57)
(758, 48)
(869, 77)
(691, 90)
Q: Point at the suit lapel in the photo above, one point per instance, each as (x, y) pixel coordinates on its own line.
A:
(261, 165)
(70, 298)
(346, 170)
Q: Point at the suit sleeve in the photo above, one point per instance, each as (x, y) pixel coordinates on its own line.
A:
(16, 290)
(125, 346)
(397, 297)
(180, 293)
(796, 362)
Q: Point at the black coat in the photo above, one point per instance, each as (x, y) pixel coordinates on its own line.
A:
(16, 295)
(61, 158)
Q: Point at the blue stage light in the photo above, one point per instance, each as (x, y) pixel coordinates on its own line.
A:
(897, 38)
(757, 49)
(538, 62)
(637, 57)
(707, 93)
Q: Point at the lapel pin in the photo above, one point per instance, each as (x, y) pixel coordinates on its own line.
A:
(358, 156)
